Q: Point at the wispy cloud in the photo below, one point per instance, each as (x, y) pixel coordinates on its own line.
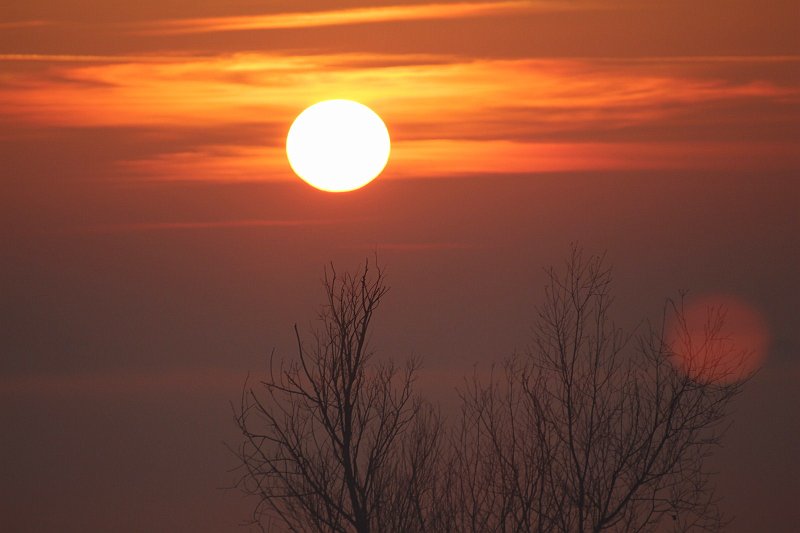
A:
(432, 158)
(365, 15)
(86, 58)
(444, 95)
(446, 115)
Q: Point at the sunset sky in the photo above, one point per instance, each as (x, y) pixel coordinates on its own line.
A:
(156, 245)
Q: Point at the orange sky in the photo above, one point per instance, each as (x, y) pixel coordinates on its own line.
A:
(450, 108)
(156, 243)
(448, 115)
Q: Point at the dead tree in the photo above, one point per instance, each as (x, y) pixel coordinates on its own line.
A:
(334, 441)
(591, 429)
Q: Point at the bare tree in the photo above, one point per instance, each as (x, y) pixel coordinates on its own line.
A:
(334, 441)
(591, 429)
(588, 430)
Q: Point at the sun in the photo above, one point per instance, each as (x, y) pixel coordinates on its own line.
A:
(338, 145)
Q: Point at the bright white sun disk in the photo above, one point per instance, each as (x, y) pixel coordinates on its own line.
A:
(338, 145)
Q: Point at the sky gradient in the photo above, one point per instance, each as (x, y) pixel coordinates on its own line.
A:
(156, 245)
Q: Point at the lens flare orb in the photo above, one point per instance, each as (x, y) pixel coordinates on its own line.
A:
(338, 145)
(718, 338)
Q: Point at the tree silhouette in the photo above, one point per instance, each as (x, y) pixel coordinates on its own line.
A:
(590, 429)
(334, 441)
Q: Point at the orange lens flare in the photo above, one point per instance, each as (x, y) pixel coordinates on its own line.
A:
(718, 339)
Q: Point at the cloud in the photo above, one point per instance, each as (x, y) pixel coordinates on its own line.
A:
(434, 158)
(83, 58)
(446, 96)
(365, 15)
(446, 115)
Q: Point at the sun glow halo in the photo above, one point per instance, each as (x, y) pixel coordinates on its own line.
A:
(338, 145)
